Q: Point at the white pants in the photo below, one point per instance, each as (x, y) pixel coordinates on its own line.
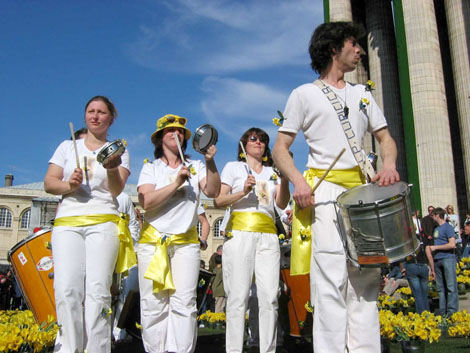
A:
(84, 261)
(169, 320)
(343, 296)
(244, 254)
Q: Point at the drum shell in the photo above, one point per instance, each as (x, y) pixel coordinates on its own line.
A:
(204, 137)
(31, 261)
(387, 219)
(117, 147)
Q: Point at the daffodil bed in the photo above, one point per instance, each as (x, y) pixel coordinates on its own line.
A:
(19, 332)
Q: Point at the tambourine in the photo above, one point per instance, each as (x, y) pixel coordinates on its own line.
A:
(111, 149)
(205, 136)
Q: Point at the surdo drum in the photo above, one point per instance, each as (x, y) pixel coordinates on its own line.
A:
(377, 224)
(205, 136)
(111, 150)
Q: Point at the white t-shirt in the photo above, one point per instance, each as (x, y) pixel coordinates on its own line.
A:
(309, 110)
(93, 196)
(179, 213)
(261, 199)
(127, 206)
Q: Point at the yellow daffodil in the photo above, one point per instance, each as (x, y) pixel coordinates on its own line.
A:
(370, 85)
(242, 155)
(277, 121)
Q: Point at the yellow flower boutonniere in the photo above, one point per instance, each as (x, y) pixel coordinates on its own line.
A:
(273, 177)
(162, 122)
(228, 235)
(139, 326)
(264, 158)
(106, 312)
(279, 121)
(146, 160)
(309, 307)
(242, 155)
(370, 85)
(192, 170)
(363, 103)
(202, 282)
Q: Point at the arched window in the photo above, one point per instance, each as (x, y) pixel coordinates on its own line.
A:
(217, 224)
(5, 218)
(25, 219)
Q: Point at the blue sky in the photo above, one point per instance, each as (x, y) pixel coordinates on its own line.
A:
(228, 63)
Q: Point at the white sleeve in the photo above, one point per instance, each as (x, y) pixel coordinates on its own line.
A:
(293, 113)
(125, 160)
(60, 154)
(147, 175)
(227, 176)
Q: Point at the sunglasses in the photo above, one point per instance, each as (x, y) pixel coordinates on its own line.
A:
(171, 119)
(254, 138)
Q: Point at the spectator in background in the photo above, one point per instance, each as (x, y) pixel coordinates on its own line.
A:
(444, 264)
(212, 263)
(428, 224)
(205, 227)
(466, 239)
(218, 286)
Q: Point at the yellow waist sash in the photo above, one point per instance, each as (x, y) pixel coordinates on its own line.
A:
(301, 243)
(159, 268)
(251, 222)
(126, 256)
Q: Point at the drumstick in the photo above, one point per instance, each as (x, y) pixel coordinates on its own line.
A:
(74, 145)
(246, 157)
(175, 135)
(328, 170)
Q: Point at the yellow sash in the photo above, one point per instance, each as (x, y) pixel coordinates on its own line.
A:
(301, 242)
(251, 222)
(159, 268)
(126, 256)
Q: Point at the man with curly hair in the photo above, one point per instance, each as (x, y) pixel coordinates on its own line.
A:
(344, 297)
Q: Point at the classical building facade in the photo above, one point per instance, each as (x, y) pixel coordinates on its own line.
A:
(417, 53)
(24, 208)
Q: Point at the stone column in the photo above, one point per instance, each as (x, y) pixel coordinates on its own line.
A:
(383, 70)
(435, 162)
(458, 17)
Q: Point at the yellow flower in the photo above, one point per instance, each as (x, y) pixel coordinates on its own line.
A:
(305, 233)
(192, 170)
(282, 236)
(264, 158)
(274, 177)
(309, 307)
(242, 155)
(139, 326)
(277, 122)
(229, 235)
(364, 102)
(146, 160)
(370, 85)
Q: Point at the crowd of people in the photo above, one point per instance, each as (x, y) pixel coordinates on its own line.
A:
(90, 240)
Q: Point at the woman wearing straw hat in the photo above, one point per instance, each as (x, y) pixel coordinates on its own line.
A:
(251, 187)
(85, 241)
(168, 251)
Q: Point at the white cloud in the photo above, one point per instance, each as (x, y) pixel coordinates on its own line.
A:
(215, 37)
(234, 105)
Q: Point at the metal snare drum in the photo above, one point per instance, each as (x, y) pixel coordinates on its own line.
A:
(377, 224)
(111, 149)
(205, 136)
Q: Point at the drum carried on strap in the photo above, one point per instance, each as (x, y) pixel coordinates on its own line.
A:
(31, 261)
(377, 224)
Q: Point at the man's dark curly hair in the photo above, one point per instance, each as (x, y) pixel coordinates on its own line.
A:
(328, 39)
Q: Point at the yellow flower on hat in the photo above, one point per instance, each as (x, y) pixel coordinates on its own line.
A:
(172, 120)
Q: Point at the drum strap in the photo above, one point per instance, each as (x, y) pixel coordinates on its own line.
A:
(301, 243)
(159, 270)
(356, 148)
(251, 222)
(126, 256)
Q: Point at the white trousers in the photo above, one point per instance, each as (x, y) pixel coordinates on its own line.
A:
(245, 254)
(84, 261)
(169, 321)
(344, 297)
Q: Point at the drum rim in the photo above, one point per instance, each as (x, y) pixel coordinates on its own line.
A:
(103, 151)
(402, 194)
(201, 130)
(26, 240)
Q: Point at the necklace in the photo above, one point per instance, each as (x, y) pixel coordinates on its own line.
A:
(346, 108)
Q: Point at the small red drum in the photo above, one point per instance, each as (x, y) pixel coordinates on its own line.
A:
(298, 293)
(31, 261)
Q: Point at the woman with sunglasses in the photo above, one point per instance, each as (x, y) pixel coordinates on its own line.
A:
(168, 251)
(85, 241)
(251, 187)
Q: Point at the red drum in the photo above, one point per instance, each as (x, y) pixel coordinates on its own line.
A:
(31, 260)
(298, 293)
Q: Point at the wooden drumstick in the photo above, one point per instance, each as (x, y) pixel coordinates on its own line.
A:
(328, 170)
(175, 135)
(74, 145)
(246, 157)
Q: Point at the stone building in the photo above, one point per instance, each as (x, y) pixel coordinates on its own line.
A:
(417, 53)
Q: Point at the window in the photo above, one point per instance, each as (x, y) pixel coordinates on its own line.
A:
(5, 218)
(25, 219)
(217, 224)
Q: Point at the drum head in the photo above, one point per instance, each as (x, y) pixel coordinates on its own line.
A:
(116, 147)
(204, 137)
(371, 193)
